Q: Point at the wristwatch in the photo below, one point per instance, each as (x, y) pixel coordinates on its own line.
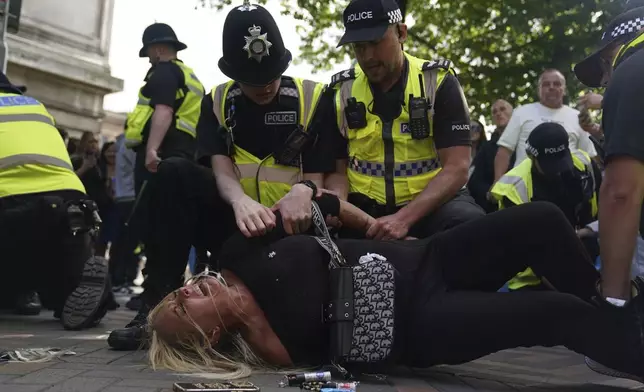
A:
(311, 185)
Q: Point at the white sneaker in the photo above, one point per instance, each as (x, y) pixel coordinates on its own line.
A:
(606, 371)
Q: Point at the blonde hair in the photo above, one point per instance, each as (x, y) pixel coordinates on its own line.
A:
(192, 353)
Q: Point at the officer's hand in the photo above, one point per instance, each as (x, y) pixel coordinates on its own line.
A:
(152, 160)
(591, 101)
(388, 227)
(253, 219)
(295, 208)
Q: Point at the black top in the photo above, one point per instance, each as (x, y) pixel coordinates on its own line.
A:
(262, 130)
(623, 112)
(451, 114)
(483, 175)
(95, 182)
(161, 88)
(289, 278)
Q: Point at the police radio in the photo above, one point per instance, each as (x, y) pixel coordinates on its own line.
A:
(418, 116)
(292, 147)
(355, 114)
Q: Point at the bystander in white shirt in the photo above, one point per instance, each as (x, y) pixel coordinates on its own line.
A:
(525, 118)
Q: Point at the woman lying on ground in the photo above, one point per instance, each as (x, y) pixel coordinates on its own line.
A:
(268, 300)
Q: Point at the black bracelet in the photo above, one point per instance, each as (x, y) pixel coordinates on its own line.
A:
(311, 185)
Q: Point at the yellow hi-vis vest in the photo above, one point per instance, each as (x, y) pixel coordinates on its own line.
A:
(33, 157)
(264, 180)
(516, 186)
(187, 100)
(385, 163)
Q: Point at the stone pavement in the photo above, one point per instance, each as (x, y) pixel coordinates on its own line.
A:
(96, 368)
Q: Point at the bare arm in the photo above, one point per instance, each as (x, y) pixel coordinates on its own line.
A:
(338, 182)
(501, 162)
(159, 125)
(228, 184)
(452, 177)
(620, 204)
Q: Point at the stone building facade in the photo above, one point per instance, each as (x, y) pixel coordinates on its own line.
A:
(61, 53)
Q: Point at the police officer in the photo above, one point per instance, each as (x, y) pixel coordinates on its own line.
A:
(406, 124)
(253, 135)
(551, 173)
(162, 125)
(622, 192)
(47, 223)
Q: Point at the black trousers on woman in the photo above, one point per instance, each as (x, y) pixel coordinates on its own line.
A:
(459, 316)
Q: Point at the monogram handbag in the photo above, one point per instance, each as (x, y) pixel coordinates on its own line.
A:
(361, 311)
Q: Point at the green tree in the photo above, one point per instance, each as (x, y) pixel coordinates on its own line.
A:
(498, 47)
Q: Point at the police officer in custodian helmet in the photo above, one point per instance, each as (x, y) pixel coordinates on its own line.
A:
(257, 153)
(161, 126)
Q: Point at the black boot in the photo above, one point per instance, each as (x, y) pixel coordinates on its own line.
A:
(134, 336)
(86, 305)
(624, 352)
(28, 304)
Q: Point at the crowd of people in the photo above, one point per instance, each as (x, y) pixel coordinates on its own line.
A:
(364, 222)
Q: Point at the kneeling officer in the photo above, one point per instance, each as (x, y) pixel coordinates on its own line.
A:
(551, 173)
(47, 223)
(257, 156)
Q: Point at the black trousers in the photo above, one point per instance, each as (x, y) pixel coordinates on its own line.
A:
(37, 250)
(123, 262)
(460, 317)
(188, 211)
(461, 208)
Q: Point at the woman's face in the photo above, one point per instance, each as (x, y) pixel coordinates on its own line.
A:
(110, 154)
(204, 302)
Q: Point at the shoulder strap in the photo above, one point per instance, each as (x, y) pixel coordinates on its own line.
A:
(324, 238)
(430, 73)
(343, 76)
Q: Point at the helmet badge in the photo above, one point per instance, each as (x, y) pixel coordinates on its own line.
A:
(257, 45)
(246, 6)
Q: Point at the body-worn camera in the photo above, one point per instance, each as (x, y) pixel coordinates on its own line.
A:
(355, 114)
(292, 147)
(418, 117)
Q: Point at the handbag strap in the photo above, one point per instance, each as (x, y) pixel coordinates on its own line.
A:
(324, 238)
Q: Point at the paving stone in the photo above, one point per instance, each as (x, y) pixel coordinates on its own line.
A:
(22, 368)
(82, 384)
(21, 388)
(47, 376)
(132, 389)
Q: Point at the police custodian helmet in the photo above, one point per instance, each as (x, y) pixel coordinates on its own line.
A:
(254, 51)
(160, 33)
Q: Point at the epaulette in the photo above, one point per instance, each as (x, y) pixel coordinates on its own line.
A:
(347, 74)
(440, 63)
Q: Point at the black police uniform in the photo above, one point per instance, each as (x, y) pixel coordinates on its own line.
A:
(194, 213)
(46, 242)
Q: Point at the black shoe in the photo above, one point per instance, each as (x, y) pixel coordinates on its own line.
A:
(134, 336)
(134, 303)
(85, 306)
(28, 304)
(623, 354)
